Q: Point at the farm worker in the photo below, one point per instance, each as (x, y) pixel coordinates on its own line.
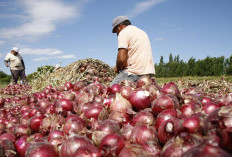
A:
(134, 57)
(17, 67)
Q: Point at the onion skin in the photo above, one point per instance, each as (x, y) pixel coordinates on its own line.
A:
(171, 88)
(41, 150)
(134, 150)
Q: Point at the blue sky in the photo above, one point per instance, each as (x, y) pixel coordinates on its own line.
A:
(50, 32)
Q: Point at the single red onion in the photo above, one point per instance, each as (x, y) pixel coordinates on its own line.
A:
(35, 122)
(164, 102)
(112, 144)
(171, 88)
(144, 117)
(8, 136)
(41, 150)
(190, 108)
(165, 115)
(168, 129)
(141, 134)
(120, 117)
(22, 145)
(120, 104)
(71, 145)
(66, 104)
(206, 100)
(68, 85)
(192, 124)
(114, 89)
(97, 112)
(210, 107)
(140, 99)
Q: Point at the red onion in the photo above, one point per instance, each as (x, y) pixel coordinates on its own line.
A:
(142, 133)
(74, 126)
(112, 144)
(21, 129)
(90, 151)
(177, 146)
(143, 81)
(168, 129)
(190, 108)
(55, 134)
(171, 88)
(133, 150)
(79, 85)
(107, 101)
(152, 147)
(114, 89)
(71, 145)
(204, 150)
(66, 104)
(206, 100)
(22, 145)
(210, 107)
(41, 150)
(35, 122)
(97, 112)
(2, 100)
(165, 115)
(144, 117)
(126, 131)
(68, 85)
(126, 91)
(140, 99)
(120, 117)
(164, 102)
(192, 124)
(8, 136)
(120, 104)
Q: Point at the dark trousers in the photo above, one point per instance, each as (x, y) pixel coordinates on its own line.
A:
(16, 73)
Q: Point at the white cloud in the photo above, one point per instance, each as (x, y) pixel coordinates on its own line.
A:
(48, 51)
(142, 7)
(66, 56)
(52, 57)
(159, 39)
(40, 18)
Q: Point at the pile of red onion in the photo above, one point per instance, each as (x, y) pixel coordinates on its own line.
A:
(127, 119)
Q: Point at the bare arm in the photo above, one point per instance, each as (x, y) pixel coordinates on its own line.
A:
(6, 63)
(121, 60)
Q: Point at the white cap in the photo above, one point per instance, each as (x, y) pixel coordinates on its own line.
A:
(117, 21)
(15, 49)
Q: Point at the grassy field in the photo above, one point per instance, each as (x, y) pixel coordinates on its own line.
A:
(197, 78)
(175, 79)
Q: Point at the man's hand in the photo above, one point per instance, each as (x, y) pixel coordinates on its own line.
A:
(115, 69)
(7, 65)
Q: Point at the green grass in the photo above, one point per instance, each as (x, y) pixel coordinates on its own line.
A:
(3, 85)
(197, 78)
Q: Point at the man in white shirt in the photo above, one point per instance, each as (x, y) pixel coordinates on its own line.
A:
(17, 66)
(134, 57)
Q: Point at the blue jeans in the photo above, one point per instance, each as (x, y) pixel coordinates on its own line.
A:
(123, 75)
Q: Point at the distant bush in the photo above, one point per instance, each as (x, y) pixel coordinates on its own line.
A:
(4, 78)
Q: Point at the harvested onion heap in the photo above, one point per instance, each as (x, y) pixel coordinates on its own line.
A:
(16, 89)
(86, 70)
(125, 120)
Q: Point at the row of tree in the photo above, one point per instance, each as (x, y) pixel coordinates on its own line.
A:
(210, 66)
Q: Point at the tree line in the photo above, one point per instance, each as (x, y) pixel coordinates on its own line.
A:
(210, 66)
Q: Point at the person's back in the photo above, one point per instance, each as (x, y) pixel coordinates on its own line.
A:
(136, 41)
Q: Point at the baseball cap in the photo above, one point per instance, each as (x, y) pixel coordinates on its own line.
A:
(117, 21)
(15, 49)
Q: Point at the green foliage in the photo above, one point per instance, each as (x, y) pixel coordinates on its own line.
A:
(40, 71)
(210, 66)
(4, 78)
